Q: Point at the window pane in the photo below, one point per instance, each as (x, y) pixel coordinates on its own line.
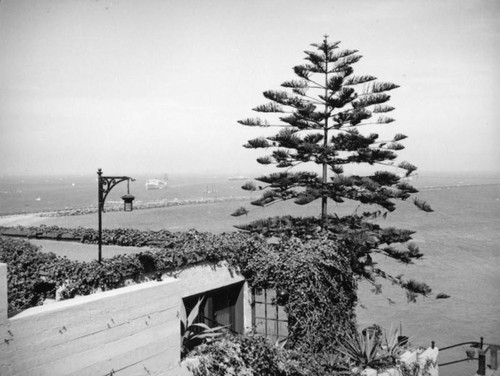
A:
(281, 313)
(283, 328)
(271, 295)
(271, 312)
(260, 310)
(260, 326)
(269, 319)
(259, 295)
(272, 329)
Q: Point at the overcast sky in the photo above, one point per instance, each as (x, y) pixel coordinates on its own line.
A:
(157, 86)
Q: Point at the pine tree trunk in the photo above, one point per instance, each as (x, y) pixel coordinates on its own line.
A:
(324, 209)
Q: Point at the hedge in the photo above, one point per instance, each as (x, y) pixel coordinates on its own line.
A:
(33, 275)
(122, 237)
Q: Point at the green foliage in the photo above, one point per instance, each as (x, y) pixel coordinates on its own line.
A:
(193, 333)
(442, 296)
(354, 237)
(392, 345)
(240, 211)
(369, 349)
(417, 368)
(325, 110)
(256, 356)
(414, 288)
(27, 266)
(361, 349)
(324, 118)
(122, 237)
(421, 204)
(238, 356)
(318, 290)
(319, 280)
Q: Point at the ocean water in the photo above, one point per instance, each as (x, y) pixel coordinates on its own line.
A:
(29, 194)
(33, 194)
(460, 241)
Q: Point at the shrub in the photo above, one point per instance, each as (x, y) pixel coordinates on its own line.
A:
(28, 270)
(254, 356)
(370, 349)
(317, 289)
(193, 333)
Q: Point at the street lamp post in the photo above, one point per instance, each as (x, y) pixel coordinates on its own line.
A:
(105, 184)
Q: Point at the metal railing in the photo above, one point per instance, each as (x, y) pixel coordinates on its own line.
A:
(481, 354)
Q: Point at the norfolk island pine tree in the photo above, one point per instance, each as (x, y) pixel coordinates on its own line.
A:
(321, 116)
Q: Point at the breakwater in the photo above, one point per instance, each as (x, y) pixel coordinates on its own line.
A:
(114, 206)
(434, 188)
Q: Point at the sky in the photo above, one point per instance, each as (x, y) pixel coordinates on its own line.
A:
(158, 86)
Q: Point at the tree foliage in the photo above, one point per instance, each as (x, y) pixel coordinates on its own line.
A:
(327, 118)
(316, 286)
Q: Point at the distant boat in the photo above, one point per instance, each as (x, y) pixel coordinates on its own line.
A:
(238, 177)
(155, 184)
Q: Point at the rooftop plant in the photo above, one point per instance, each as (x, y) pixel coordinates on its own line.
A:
(194, 333)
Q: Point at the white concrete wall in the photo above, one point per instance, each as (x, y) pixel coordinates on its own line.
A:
(133, 330)
(3, 294)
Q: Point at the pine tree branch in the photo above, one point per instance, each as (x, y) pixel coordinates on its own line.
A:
(360, 124)
(382, 142)
(295, 165)
(361, 95)
(313, 100)
(319, 86)
(389, 164)
(338, 126)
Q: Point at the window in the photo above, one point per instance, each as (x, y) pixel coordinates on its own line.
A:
(268, 318)
(220, 307)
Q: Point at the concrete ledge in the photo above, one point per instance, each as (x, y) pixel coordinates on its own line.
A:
(3, 294)
(79, 300)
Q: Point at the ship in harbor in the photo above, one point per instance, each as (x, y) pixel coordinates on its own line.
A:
(238, 177)
(156, 183)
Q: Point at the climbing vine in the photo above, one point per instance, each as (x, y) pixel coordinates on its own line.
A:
(317, 283)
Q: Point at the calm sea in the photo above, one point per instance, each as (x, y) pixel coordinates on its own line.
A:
(28, 194)
(460, 240)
